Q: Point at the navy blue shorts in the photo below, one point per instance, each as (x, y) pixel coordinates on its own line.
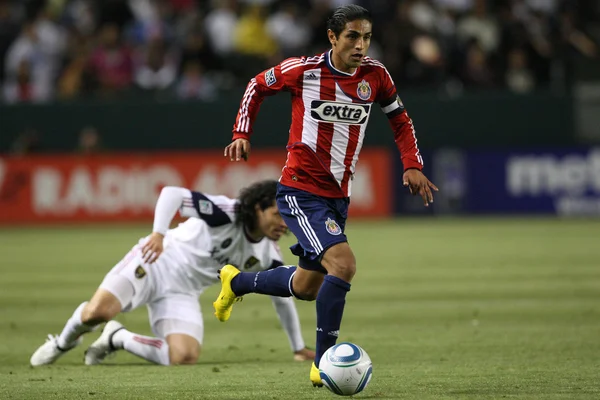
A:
(317, 222)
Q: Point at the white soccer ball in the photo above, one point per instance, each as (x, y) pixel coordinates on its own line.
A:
(345, 369)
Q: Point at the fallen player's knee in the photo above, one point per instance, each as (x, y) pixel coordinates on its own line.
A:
(183, 357)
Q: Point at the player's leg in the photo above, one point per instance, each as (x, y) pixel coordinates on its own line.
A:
(177, 323)
(126, 287)
(284, 281)
(183, 349)
(107, 302)
(340, 263)
(53, 349)
(330, 296)
(278, 281)
(323, 221)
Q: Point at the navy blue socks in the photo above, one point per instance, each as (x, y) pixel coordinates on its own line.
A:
(274, 282)
(330, 308)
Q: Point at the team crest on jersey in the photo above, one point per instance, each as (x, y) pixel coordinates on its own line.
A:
(206, 207)
(332, 227)
(140, 272)
(363, 90)
(270, 77)
(251, 262)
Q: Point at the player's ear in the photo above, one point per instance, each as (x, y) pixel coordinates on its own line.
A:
(331, 36)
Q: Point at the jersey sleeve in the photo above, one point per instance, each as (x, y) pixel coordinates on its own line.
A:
(171, 199)
(214, 210)
(403, 127)
(267, 83)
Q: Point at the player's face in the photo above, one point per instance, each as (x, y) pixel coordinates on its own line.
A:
(351, 46)
(270, 222)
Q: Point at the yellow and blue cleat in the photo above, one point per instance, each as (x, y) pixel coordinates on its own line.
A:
(226, 298)
(315, 376)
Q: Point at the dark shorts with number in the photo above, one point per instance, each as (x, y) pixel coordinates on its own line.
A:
(317, 222)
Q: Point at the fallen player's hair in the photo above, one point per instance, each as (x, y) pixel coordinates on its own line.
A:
(261, 193)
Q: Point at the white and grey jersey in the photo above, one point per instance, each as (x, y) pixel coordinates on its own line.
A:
(210, 238)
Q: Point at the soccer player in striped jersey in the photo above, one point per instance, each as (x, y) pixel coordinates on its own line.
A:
(169, 269)
(332, 97)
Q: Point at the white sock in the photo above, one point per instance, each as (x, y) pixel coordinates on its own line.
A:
(73, 328)
(149, 348)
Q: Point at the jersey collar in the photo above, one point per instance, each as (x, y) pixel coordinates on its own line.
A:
(333, 69)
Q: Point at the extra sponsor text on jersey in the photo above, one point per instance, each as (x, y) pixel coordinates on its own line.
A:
(340, 112)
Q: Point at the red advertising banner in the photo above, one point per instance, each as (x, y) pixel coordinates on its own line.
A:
(124, 187)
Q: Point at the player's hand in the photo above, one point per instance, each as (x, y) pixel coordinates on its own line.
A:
(153, 247)
(238, 149)
(418, 184)
(304, 355)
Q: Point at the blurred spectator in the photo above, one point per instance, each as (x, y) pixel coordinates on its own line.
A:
(80, 14)
(20, 88)
(422, 15)
(480, 25)
(476, 71)
(75, 79)
(519, 78)
(32, 63)
(289, 29)
(194, 84)
(89, 141)
(157, 22)
(220, 26)
(251, 35)
(111, 62)
(158, 69)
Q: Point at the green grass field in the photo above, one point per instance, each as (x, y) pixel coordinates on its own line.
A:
(446, 308)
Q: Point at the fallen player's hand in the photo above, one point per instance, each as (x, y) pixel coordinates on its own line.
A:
(418, 184)
(238, 149)
(304, 355)
(153, 247)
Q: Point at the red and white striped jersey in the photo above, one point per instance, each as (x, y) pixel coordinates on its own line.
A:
(330, 111)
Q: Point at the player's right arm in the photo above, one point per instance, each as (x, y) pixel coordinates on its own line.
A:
(189, 204)
(267, 83)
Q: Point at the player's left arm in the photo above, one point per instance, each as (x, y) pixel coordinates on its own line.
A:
(287, 313)
(406, 140)
(288, 316)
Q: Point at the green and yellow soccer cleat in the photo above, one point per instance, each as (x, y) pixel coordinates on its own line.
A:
(315, 376)
(224, 302)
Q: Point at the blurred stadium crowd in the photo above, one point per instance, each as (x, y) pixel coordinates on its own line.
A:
(194, 49)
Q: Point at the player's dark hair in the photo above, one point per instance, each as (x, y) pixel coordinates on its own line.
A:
(344, 14)
(261, 193)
